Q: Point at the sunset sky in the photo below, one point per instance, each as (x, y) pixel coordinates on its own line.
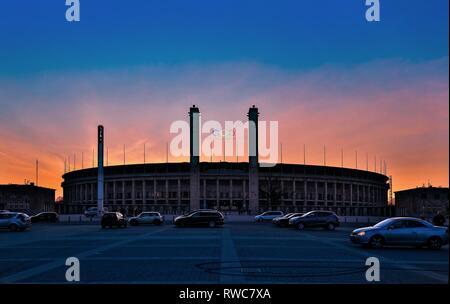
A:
(316, 66)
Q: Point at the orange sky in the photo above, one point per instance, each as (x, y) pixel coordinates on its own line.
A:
(395, 110)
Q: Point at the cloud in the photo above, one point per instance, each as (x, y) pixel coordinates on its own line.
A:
(394, 109)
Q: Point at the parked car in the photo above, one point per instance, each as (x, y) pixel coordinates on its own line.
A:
(283, 221)
(93, 212)
(113, 219)
(323, 219)
(147, 218)
(268, 216)
(406, 231)
(14, 221)
(48, 217)
(4, 211)
(211, 218)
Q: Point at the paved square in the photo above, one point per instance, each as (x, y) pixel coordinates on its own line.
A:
(235, 253)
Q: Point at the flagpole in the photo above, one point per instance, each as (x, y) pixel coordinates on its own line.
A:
(367, 161)
(304, 154)
(281, 152)
(167, 152)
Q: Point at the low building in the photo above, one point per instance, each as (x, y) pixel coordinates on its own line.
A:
(27, 198)
(422, 201)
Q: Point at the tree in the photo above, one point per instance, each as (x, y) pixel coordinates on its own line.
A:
(271, 190)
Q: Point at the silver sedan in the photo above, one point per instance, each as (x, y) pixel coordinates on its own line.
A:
(406, 231)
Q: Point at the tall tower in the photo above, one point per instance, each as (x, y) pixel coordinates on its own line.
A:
(100, 177)
(253, 160)
(194, 133)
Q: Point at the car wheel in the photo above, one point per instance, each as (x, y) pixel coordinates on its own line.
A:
(134, 223)
(212, 224)
(300, 226)
(434, 243)
(377, 241)
(330, 226)
(13, 227)
(157, 222)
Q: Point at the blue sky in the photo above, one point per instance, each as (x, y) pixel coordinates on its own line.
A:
(316, 66)
(291, 34)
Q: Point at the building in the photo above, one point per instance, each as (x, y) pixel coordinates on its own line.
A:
(166, 188)
(422, 201)
(241, 186)
(28, 198)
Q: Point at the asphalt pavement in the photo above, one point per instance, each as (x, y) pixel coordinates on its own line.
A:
(239, 252)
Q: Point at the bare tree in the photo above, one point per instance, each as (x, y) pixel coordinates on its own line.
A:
(271, 190)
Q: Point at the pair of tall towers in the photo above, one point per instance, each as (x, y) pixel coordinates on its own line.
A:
(253, 169)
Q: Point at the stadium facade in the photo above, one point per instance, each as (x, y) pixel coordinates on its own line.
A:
(240, 186)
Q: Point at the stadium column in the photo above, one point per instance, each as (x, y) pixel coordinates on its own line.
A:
(194, 132)
(100, 179)
(305, 190)
(316, 194)
(217, 193)
(253, 170)
(231, 193)
(178, 193)
(143, 195)
(91, 186)
(294, 194)
(114, 193)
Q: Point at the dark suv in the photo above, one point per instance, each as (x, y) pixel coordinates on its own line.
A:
(323, 219)
(111, 219)
(210, 218)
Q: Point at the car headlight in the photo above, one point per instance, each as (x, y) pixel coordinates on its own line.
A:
(362, 233)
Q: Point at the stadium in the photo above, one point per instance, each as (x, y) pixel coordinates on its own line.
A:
(244, 187)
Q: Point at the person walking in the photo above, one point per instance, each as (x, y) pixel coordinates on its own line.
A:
(438, 219)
